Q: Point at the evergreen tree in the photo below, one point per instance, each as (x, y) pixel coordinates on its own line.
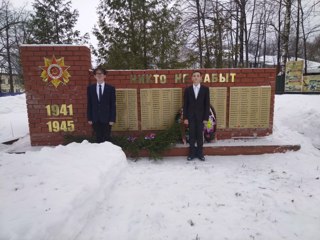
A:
(168, 39)
(138, 34)
(53, 22)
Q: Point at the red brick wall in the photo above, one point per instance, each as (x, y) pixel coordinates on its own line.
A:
(244, 77)
(41, 94)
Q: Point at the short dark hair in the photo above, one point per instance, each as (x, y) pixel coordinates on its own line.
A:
(196, 71)
(100, 69)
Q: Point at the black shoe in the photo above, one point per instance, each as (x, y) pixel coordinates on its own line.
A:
(190, 158)
(202, 158)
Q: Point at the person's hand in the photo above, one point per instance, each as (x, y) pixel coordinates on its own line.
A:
(186, 122)
(111, 123)
(90, 122)
(205, 122)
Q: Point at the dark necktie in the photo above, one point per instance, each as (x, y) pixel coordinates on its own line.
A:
(100, 92)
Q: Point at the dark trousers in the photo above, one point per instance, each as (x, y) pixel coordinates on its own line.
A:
(195, 136)
(102, 131)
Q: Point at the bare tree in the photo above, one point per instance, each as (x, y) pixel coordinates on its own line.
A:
(199, 32)
(12, 34)
(313, 49)
(228, 32)
(243, 34)
(220, 28)
(277, 27)
(298, 30)
(207, 63)
(286, 33)
(305, 16)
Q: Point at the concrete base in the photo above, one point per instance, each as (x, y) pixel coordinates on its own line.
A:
(212, 149)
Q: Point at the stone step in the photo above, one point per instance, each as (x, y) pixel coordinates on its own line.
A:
(212, 150)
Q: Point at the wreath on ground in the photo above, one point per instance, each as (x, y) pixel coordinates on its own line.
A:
(209, 129)
(155, 143)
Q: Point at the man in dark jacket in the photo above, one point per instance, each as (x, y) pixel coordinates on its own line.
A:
(101, 107)
(196, 111)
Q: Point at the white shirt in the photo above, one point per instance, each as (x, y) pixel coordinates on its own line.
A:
(102, 88)
(196, 90)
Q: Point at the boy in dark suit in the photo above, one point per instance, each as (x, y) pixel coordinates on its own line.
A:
(101, 107)
(196, 110)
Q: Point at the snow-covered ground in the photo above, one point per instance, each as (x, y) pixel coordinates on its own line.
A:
(91, 191)
(13, 117)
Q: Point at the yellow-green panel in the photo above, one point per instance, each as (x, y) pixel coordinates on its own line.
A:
(249, 107)
(127, 110)
(159, 107)
(218, 99)
(264, 112)
(234, 107)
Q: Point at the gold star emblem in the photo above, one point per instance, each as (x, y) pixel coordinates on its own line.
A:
(54, 71)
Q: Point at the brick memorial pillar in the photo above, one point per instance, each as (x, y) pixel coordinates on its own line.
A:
(56, 78)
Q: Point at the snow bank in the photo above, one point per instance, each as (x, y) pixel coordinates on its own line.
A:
(297, 116)
(45, 194)
(14, 120)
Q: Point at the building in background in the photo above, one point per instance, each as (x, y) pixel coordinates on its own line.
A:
(18, 86)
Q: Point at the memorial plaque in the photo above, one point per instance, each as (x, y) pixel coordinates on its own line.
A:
(218, 99)
(159, 107)
(234, 107)
(253, 108)
(127, 110)
(249, 107)
(265, 97)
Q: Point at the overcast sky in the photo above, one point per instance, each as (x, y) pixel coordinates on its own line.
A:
(87, 14)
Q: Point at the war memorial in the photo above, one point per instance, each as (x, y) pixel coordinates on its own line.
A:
(56, 78)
